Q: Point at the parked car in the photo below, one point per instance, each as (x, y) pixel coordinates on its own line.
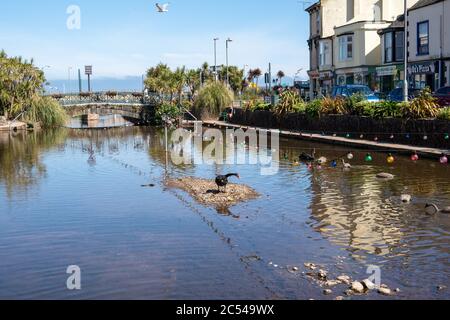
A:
(349, 90)
(443, 96)
(397, 95)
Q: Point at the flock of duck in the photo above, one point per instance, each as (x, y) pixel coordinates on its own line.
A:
(310, 159)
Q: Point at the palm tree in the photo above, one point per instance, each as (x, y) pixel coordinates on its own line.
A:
(280, 76)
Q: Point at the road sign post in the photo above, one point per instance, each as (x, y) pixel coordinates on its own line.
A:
(88, 72)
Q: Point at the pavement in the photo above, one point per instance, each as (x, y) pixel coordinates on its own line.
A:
(433, 153)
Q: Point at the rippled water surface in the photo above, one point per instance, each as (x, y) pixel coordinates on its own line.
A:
(75, 197)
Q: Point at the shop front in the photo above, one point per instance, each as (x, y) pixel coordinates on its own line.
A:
(389, 77)
(360, 76)
(314, 85)
(424, 74)
(326, 82)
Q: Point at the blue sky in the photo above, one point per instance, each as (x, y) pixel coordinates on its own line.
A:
(123, 38)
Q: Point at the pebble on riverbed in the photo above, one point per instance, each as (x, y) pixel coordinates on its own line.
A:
(205, 191)
(327, 292)
(385, 291)
(358, 287)
(345, 279)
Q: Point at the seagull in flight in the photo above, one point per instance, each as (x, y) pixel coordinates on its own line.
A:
(162, 8)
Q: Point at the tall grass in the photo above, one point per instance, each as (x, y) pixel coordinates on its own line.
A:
(46, 111)
(212, 100)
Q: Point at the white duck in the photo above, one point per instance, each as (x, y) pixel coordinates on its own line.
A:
(347, 166)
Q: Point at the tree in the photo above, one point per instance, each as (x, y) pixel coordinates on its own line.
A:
(20, 84)
(193, 81)
(280, 76)
(159, 80)
(212, 99)
(235, 76)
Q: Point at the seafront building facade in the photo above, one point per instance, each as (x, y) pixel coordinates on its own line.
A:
(356, 42)
(429, 44)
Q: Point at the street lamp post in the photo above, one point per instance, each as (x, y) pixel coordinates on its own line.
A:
(228, 79)
(215, 58)
(69, 85)
(405, 82)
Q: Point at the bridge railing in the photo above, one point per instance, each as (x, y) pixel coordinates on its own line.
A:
(101, 97)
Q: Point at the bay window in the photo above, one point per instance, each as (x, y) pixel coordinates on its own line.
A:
(400, 46)
(423, 38)
(346, 47)
(388, 47)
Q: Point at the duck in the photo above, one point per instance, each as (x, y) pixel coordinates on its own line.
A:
(308, 157)
(346, 165)
(222, 181)
(322, 161)
(385, 175)
(433, 209)
(406, 198)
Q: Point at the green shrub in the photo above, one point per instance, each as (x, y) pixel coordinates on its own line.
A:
(364, 108)
(258, 105)
(387, 109)
(169, 110)
(313, 108)
(290, 102)
(444, 114)
(46, 111)
(423, 106)
(333, 106)
(212, 100)
(353, 100)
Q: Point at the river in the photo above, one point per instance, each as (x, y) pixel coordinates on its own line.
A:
(76, 197)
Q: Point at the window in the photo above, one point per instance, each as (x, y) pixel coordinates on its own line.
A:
(323, 52)
(423, 38)
(388, 49)
(400, 46)
(345, 48)
(318, 23)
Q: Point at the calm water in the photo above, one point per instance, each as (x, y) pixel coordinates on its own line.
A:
(75, 197)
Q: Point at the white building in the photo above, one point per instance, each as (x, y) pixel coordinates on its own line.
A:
(346, 45)
(429, 44)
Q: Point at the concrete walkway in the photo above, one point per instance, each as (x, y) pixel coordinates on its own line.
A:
(354, 143)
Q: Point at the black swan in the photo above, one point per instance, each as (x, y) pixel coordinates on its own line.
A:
(222, 181)
(308, 157)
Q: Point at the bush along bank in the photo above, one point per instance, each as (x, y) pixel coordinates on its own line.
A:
(420, 122)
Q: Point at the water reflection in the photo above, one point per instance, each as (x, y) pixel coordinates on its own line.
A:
(21, 153)
(90, 184)
(104, 121)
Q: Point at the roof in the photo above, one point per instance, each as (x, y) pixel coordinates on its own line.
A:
(312, 6)
(424, 3)
(399, 23)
